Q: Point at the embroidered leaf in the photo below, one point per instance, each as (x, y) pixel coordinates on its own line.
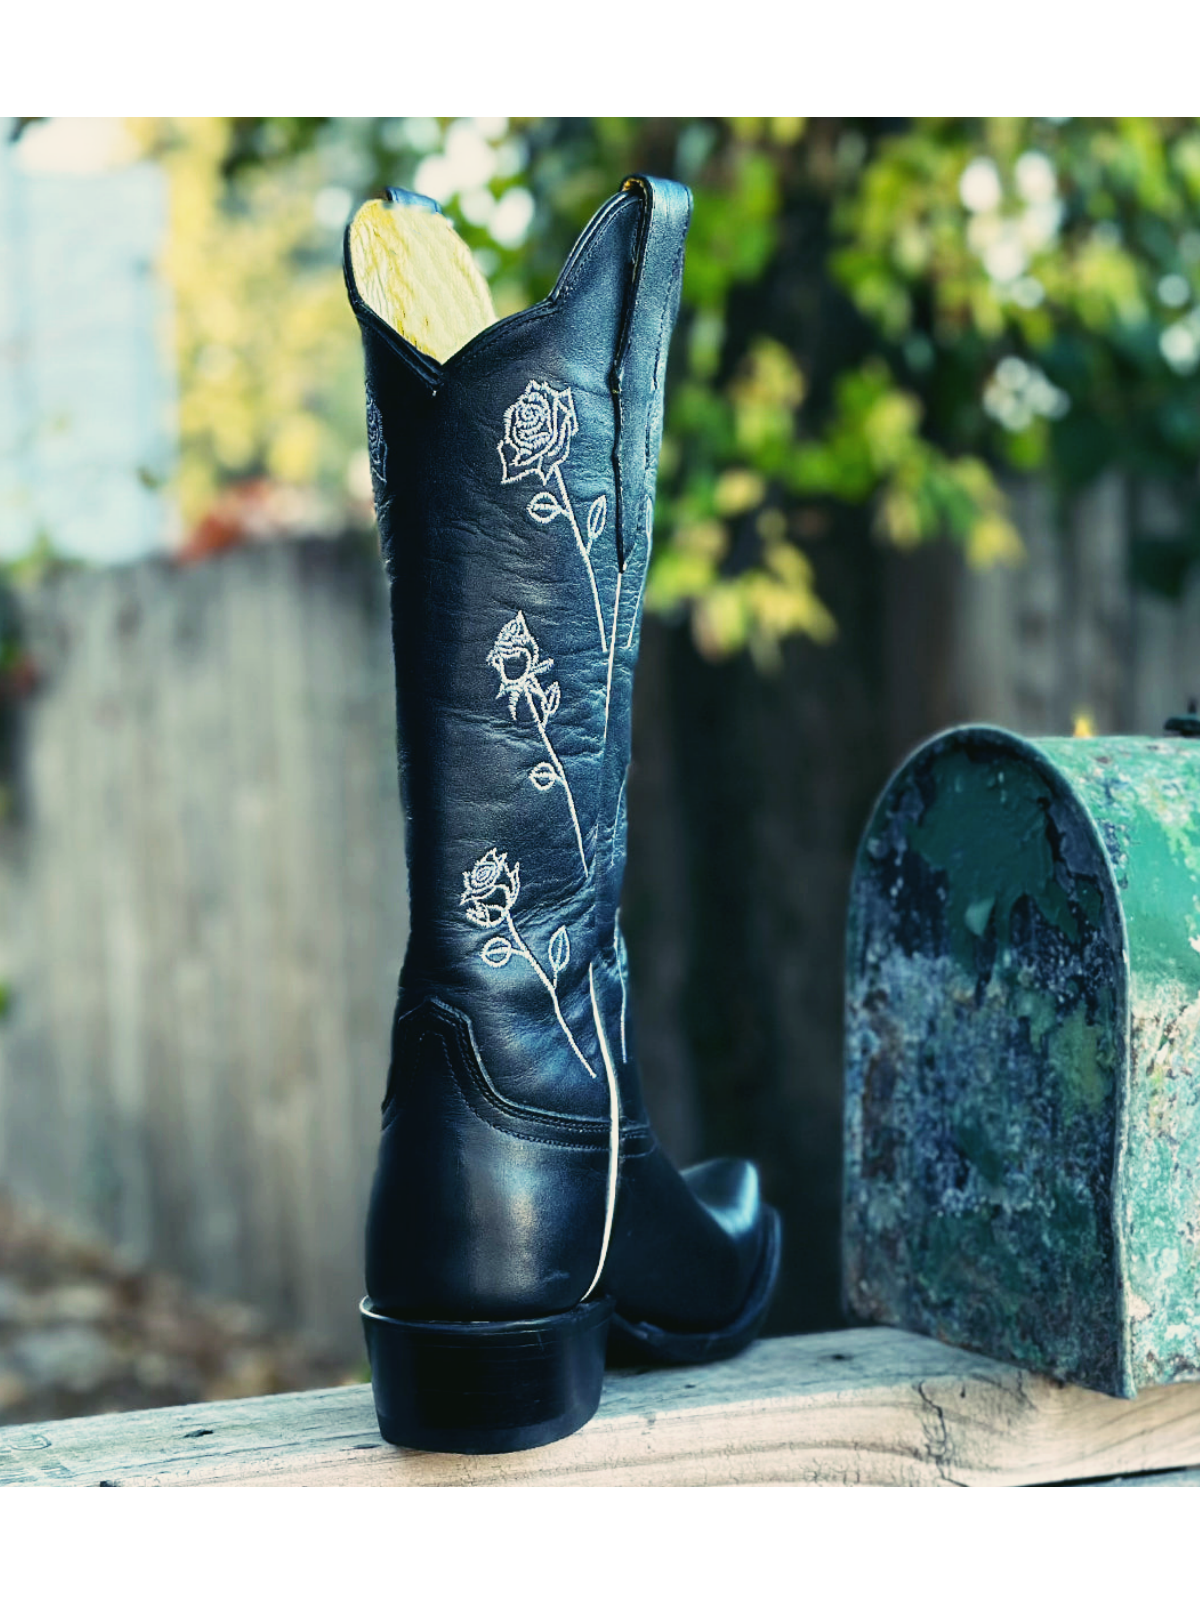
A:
(552, 700)
(560, 951)
(597, 517)
(497, 952)
(544, 507)
(543, 776)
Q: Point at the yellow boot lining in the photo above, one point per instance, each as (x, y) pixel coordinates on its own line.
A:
(419, 277)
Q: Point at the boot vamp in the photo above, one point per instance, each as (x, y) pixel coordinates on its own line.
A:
(684, 1246)
(728, 1190)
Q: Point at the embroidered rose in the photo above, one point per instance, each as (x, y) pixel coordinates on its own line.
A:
(376, 448)
(490, 889)
(517, 659)
(538, 431)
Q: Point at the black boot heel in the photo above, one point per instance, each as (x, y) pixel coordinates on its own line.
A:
(482, 1388)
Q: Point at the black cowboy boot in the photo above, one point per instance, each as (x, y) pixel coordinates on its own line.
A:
(521, 1206)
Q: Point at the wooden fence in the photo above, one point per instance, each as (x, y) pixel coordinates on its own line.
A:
(1066, 633)
(202, 915)
(202, 901)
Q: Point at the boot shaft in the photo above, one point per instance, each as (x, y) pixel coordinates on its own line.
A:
(514, 486)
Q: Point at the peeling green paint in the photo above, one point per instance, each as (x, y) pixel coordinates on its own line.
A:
(1023, 1055)
(1007, 854)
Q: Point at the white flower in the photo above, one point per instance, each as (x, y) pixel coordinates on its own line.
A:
(517, 659)
(538, 429)
(490, 889)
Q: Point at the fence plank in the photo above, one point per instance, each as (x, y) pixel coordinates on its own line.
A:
(1094, 633)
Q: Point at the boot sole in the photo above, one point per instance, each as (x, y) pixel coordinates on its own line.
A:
(635, 1344)
(485, 1388)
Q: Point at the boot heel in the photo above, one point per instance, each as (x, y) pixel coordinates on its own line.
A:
(482, 1388)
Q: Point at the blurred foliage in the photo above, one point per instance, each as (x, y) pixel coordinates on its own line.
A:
(876, 315)
(267, 365)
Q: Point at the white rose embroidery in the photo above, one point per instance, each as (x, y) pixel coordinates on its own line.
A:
(538, 429)
(517, 659)
(519, 666)
(489, 894)
(376, 444)
(490, 889)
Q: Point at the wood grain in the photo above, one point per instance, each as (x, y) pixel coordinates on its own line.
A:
(870, 1406)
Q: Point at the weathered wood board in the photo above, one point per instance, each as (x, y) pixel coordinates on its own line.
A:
(870, 1406)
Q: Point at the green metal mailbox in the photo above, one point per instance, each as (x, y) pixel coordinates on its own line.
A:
(1023, 1055)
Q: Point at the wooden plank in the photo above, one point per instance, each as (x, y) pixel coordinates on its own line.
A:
(334, 648)
(208, 1141)
(255, 1037)
(163, 894)
(295, 912)
(128, 956)
(1011, 649)
(87, 1040)
(1035, 652)
(30, 1091)
(869, 1406)
(1187, 661)
(1155, 678)
(1097, 603)
(62, 778)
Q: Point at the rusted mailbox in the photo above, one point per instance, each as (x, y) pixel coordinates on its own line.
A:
(1023, 1055)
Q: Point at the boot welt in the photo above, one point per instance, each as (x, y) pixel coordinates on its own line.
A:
(632, 1344)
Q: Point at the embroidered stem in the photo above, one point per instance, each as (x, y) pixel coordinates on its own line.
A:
(583, 551)
(614, 1133)
(551, 989)
(562, 777)
(612, 649)
(619, 952)
(616, 829)
(633, 621)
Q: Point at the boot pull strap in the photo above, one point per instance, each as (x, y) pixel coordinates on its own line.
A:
(639, 361)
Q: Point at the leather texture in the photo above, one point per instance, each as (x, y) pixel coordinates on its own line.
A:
(514, 492)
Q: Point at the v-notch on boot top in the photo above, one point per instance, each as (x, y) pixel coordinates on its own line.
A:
(523, 1216)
